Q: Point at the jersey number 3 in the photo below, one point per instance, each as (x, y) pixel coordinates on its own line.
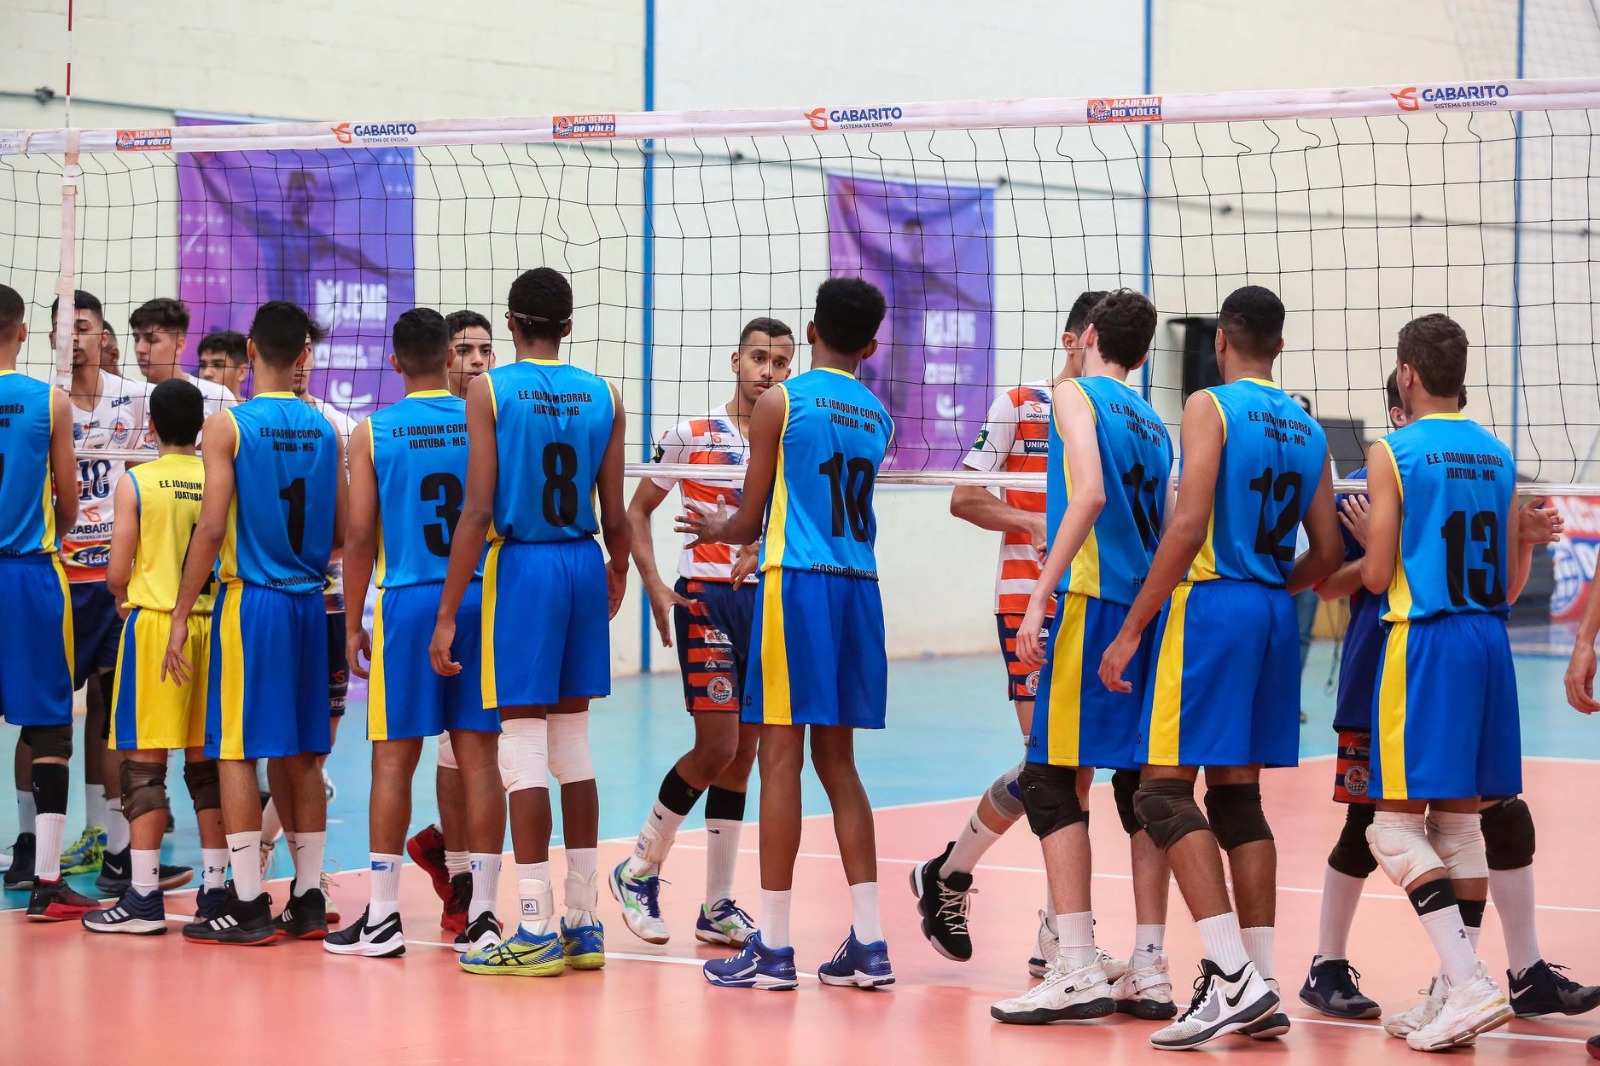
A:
(445, 493)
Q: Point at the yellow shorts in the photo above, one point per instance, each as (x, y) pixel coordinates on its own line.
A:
(147, 712)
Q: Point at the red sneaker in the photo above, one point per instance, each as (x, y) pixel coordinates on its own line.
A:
(427, 851)
(454, 917)
(54, 901)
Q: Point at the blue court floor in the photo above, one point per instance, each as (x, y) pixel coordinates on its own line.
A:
(950, 732)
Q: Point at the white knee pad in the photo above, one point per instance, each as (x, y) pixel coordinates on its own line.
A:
(524, 762)
(1458, 840)
(447, 752)
(569, 748)
(1400, 844)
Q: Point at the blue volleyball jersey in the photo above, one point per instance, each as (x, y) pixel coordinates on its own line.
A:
(286, 484)
(27, 498)
(1363, 643)
(1135, 460)
(1272, 462)
(1456, 484)
(819, 515)
(419, 453)
(552, 424)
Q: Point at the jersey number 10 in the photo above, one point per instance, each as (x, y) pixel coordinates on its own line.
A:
(850, 487)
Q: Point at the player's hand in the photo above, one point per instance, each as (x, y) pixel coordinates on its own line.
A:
(1030, 649)
(745, 562)
(123, 611)
(706, 529)
(357, 645)
(1039, 534)
(1580, 679)
(662, 599)
(1115, 661)
(1354, 512)
(616, 585)
(444, 635)
(1541, 523)
(175, 664)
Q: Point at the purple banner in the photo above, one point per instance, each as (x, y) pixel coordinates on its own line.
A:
(328, 230)
(929, 248)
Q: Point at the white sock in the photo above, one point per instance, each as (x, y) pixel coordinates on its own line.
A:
(1512, 892)
(533, 871)
(584, 860)
(1223, 943)
(146, 870)
(1077, 939)
(47, 860)
(244, 850)
(538, 902)
(1474, 934)
(775, 917)
(655, 840)
(580, 894)
(1457, 960)
(1340, 895)
(118, 836)
(1258, 945)
(457, 862)
(94, 806)
(1149, 941)
(214, 873)
(385, 888)
(485, 870)
(271, 824)
(722, 858)
(864, 912)
(971, 843)
(27, 811)
(308, 850)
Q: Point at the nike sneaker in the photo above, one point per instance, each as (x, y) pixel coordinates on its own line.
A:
(1468, 1009)
(723, 922)
(1544, 988)
(116, 874)
(943, 901)
(383, 940)
(84, 855)
(641, 903)
(1063, 995)
(1222, 1003)
(245, 922)
(1331, 989)
(858, 964)
(55, 901)
(756, 966)
(522, 955)
(133, 913)
(481, 934)
(1272, 1025)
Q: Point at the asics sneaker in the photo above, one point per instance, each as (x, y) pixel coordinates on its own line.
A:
(1222, 1003)
(1544, 988)
(756, 966)
(584, 944)
(855, 963)
(133, 913)
(240, 921)
(522, 955)
(453, 918)
(1472, 1007)
(116, 874)
(385, 940)
(55, 901)
(723, 922)
(943, 900)
(1063, 995)
(1144, 991)
(481, 934)
(304, 917)
(641, 903)
(19, 875)
(1407, 1022)
(427, 851)
(1331, 989)
(84, 855)
(209, 902)
(1045, 948)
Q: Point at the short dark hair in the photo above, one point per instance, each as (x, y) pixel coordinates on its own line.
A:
(81, 301)
(849, 312)
(13, 311)
(456, 321)
(1252, 317)
(421, 341)
(161, 313)
(772, 327)
(176, 410)
(1435, 346)
(229, 342)
(540, 303)
(279, 330)
(1078, 317)
(1391, 389)
(1126, 322)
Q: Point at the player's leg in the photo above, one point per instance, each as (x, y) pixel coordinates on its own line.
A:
(582, 936)
(722, 920)
(200, 778)
(1144, 990)
(19, 875)
(378, 933)
(440, 849)
(141, 908)
(1330, 987)
(483, 800)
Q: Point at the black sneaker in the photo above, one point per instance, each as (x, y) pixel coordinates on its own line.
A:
(482, 933)
(1331, 989)
(210, 902)
(381, 941)
(240, 921)
(1594, 1047)
(304, 917)
(942, 900)
(1544, 988)
(133, 913)
(19, 875)
(116, 874)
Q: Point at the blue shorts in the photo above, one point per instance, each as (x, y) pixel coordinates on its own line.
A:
(817, 652)
(149, 712)
(546, 623)
(1022, 681)
(713, 638)
(424, 704)
(1224, 683)
(1445, 722)
(96, 630)
(35, 641)
(1077, 721)
(267, 695)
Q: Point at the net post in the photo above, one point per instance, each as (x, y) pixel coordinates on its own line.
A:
(1516, 249)
(647, 294)
(67, 276)
(1146, 271)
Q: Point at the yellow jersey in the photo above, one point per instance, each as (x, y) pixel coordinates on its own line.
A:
(168, 491)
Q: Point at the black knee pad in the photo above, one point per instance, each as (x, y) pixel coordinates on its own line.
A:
(48, 741)
(1050, 798)
(1168, 812)
(204, 788)
(144, 787)
(1236, 815)
(1351, 854)
(1508, 834)
(1124, 783)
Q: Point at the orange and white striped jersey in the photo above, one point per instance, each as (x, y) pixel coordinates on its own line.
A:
(714, 440)
(1016, 439)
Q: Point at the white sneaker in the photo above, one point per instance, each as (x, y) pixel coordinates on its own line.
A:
(1272, 1024)
(640, 897)
(1470, 1008)
(325, 883)
(1222, 1004)
(267, 849)
(1406, 1022)
(1062, 996)
(1145, 992)
(1045, 949)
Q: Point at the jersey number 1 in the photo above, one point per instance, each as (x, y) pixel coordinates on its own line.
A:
(295, 496)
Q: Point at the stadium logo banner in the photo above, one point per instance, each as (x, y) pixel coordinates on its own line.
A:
(1573, 556)
(930, 248)
(328, 230)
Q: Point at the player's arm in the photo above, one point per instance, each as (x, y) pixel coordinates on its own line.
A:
(124, 541)
(1537, 523)
(1383, 519)
(1342, 583)
(646, 498)
(472, 528)
(978, 504)
(360, 546)
(614, 527)
(217, 445)
(1581, 667)
(1201, 435)
(1075, 420)
(1321, 524)
(744, 526)
(63, 462)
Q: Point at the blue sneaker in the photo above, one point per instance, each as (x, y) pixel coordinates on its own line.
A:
(641, 903)
(133, 913)
(210, 902)
(756, 966)
(855, 963)
(584, 945)
(522, 955)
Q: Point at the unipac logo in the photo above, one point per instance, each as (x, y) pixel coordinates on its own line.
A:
(374, 132)
(818, 117)
(854, 118)
(1407, 99)
(152, 140)
(1124, 109)
(583, 127)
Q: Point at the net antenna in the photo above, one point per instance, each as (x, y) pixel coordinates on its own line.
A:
(66, 281)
